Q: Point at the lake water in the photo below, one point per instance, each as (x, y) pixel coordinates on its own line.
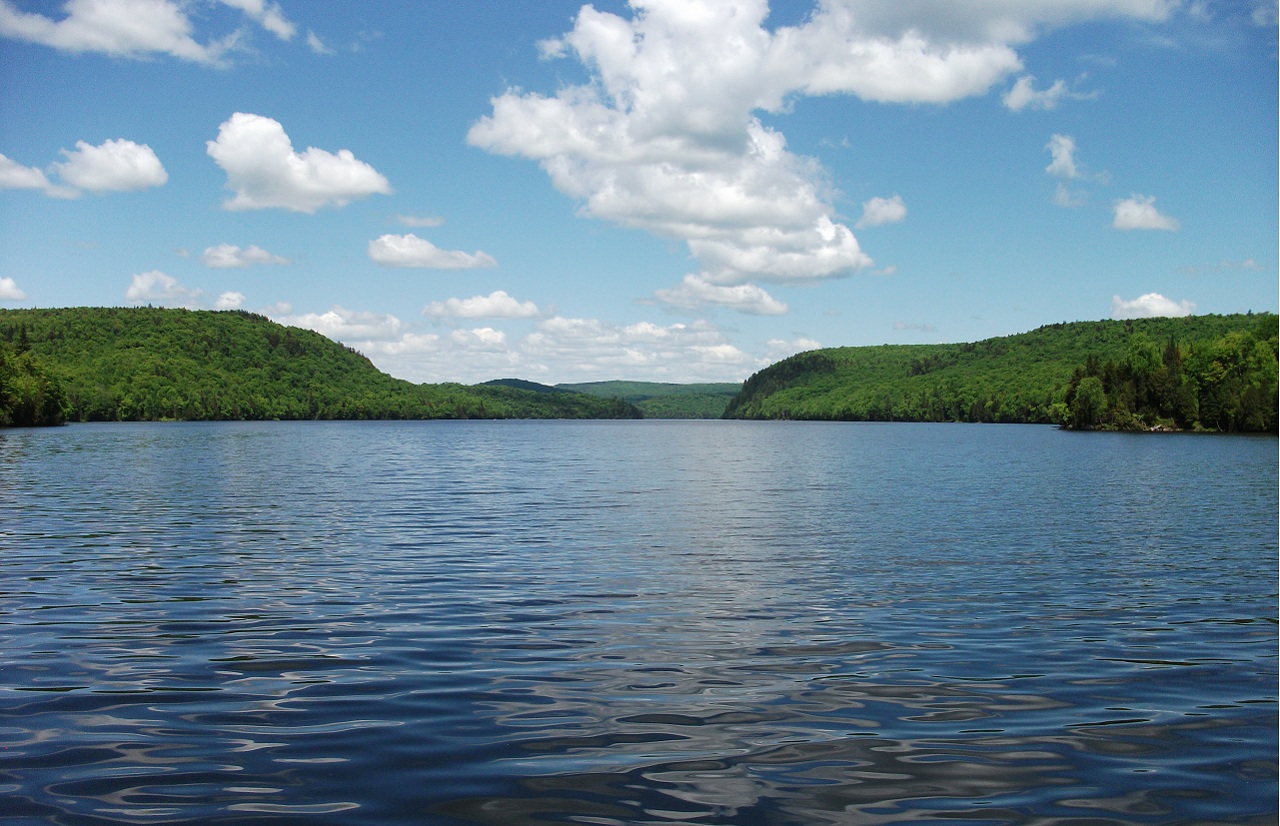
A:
(636, 622)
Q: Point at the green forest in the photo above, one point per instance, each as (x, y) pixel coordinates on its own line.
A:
(1214, 373)
(662, 400)
(153, 364)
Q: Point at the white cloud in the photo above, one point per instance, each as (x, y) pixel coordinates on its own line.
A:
(781, 348)
(265, 172)
(696, 292)
(121, 28)
(9, 290)
(419, 221)
(156, 287)
(341, 324)
(269, 15)
(229, 301)
(496, 304)
(1150, 305)
(665, 137)
(114, 165)
(1139, 212)
(136, 28)
(879, 211)
(14, 175)
(588, 348)
(1065, 196)
(1063, 149)
(412, 251)
(226, 256)
(1024, 95)
(317, 45)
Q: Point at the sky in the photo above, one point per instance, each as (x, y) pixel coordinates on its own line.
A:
(657, 190)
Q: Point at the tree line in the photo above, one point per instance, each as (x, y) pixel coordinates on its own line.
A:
(1198, 373)
(153, 364)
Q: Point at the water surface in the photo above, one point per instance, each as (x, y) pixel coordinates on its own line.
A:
(636, 622)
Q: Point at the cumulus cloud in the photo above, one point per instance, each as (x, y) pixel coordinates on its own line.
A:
(113, 165)
(9, 290)
(229, 300)
(155, 287)
(227, 256)
(696, 291)
(879, 211)
(412, 251)
(497, 304)
(1139, 212)
(782, 348)
(557, 349)
(1150, 305)
(14, 175)
(666, 139)
(120, 28)
(1063, 150)
(1024, 95)
(348, 326)
(264, 171)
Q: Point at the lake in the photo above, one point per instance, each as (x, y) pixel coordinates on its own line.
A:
(636, 622)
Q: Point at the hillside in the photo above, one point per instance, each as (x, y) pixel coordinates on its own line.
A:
(145, 364)
(1225, 375)
(660, 400)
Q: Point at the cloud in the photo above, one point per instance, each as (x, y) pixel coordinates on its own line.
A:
(269, 15)
(348, 326)
(665, 137)
(879, 211)
(317, 45)
(558, 349)
(1063, 150)
(120, 28)
(14, 175)
(1139, 212)
(1065, 196)
(1225, 265)
(781, 348)
(137, 29)
(496, 304)
(9, 290)
(919, 328)
(1024, 95)
(419, 221)
(1150, 305)
(229, 301)
(227, 256)
(156, 287)
(412, 251)
(265, 172)
(114, 165)
(697, 292)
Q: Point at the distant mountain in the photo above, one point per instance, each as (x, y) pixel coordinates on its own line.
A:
(145, 363)
(660, 400)
(524, 384)
(1203, 372)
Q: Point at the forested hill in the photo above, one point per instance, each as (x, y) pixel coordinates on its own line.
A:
(1202, 372)
(144, 363)
(662, 400)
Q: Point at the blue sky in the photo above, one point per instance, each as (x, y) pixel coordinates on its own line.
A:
(667, 190)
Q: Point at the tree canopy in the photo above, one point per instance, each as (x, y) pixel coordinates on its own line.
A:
(1203, 372)
(148, 364)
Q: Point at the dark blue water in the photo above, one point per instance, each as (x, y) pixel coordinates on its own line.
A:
(636, 622)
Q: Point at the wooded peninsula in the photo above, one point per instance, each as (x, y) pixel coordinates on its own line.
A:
(1205, 373)
(1210, 373)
